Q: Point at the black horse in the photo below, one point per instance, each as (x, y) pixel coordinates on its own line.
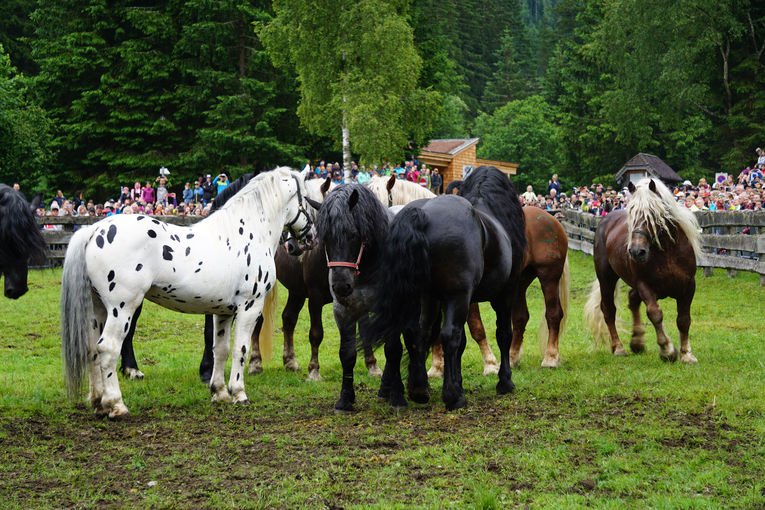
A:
(441, 255)
(20, 240)
(352, 224)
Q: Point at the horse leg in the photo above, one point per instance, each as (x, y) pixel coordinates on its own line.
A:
(289, 320)
(637, 342)
(315, 336)
(452, 333)
(416, 339)
(369, 354)
(608, 307)
(95, 379)
(667, 350)
(684, 324)
(475, 324)
(106, 354)
(553, 316)
(394, 391)
(503, 309)
(206, 366)
(256, 362)
(129, 367)
(520, 317)
(347, 330)
(243, 330)
(221, 348)
(437, 359)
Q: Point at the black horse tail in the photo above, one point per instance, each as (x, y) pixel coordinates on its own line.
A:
(405, 274)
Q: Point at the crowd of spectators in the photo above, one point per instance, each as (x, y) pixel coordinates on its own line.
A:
(725, 193)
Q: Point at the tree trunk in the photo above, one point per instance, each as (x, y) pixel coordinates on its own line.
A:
(346, 145)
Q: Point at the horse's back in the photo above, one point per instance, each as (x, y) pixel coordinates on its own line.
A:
(547, 243)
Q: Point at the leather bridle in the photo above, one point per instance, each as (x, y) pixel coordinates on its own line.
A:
(352, 265)
(301, 211)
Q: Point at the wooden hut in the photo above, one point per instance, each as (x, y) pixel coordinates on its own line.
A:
(455, 158)
(646, 165)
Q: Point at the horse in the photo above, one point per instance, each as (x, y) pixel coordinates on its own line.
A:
(546, 259)
(20, 240)
(652, 246)
(352, 225)
(441, 255)
(178, 268)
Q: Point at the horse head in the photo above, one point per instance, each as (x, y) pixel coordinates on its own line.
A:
(301, 225)
(642, 233)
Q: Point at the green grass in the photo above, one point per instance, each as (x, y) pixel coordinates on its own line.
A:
(599, 431)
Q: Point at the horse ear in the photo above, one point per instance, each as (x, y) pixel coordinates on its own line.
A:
(35, 203)
(305, 172)
(652, 186)
(631, 187)
(325, 186)
(313, 203)
(391, 182)
(353, 199)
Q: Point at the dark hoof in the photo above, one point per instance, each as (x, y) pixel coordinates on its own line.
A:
(671, 358)
(243, 402)
(383, 394)
(458, 404)
(503, 388)
(637, 348)
(343, 407)
(420, 395)
(343, 411)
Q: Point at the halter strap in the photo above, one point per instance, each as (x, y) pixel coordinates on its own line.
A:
(346, 264)
(390, 199)
(301, 211)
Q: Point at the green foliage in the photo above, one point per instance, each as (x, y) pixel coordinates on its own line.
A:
(25, 154)
(523, 131)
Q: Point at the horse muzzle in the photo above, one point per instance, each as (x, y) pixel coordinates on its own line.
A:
(638, 254)
(15, 292)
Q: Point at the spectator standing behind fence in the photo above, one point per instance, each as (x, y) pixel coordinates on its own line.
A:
(554, 184)
(221, 181)
(436, 181)
(207, 189)
(188, 193)
(529, 195)
(147, 194)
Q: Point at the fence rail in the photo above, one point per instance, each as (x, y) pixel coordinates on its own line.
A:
(730, 240)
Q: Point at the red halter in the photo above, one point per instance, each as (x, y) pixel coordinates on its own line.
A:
(346, 264)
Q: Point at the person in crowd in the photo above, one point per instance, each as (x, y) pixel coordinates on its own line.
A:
(554, 183)
(198, 192)
(760, 158)
(16, 186)
(207, 190)
(529, 195)
(436, 182)
(188, 193)
(162, 192)
(364, 176)
(424, 179)
(135, 192)
(221, 182)
(147, 194)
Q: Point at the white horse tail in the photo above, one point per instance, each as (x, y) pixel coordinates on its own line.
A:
(593, 315)
(266, 339)
(76, 312)
(564, 294)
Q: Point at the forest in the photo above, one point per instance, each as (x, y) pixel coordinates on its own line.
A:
(95, 94)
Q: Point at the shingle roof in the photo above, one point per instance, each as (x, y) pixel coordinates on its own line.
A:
(450, 145)
(652, 164)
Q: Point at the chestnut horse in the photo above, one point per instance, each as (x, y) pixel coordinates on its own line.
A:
(545, 258)
(652, 246)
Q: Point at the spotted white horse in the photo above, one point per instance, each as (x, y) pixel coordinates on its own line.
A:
(223, 265)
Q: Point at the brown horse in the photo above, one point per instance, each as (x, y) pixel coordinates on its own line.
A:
(652, 246)
(546, 258)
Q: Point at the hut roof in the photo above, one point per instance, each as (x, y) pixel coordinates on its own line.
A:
(652, 164)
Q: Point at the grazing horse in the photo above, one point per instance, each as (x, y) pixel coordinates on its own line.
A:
(20, 240)
(440, 255)
(352, 225)
(652, 246)
(112, 265)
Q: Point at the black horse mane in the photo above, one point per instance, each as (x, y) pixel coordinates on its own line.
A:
(367, 221)
(450, 187)
(231, 190)
(20, 235)
(486, 184)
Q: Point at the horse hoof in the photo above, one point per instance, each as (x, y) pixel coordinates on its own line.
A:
(398, 402)
(221, 397)
(314, 376)
(420, 395)
(688, 358)
(492, 369)
(550, 363)
(620, 352)
(436, 373)
(383, 395)
(133, 374)
(374, 371)
(244, 402)
(344, 405)
(671, 357)
(119, 412)
(291, 366)
(457, 404)
(503, 388)
(255, 368)
(637, 347)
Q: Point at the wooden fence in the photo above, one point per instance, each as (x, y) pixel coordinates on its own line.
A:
(731, 240)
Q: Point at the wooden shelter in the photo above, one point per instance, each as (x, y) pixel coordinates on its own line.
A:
(645, 165)
(455, 157)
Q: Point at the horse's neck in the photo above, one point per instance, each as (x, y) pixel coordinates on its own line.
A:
(250, 214)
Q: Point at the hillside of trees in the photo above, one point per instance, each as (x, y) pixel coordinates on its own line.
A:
(97, 94)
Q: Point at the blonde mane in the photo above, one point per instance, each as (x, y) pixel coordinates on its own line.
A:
(402, 193)
(658, 212)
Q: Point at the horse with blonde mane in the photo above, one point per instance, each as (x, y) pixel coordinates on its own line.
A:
(652, 246)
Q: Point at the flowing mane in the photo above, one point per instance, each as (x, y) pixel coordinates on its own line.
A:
(492, 190)
(368, 221)
(19, 232)
(659, 212)
(402, 193)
